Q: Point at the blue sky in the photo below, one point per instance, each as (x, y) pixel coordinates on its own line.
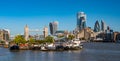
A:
(15, 14)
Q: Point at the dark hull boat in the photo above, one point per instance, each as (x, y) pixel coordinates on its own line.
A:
(14, 47)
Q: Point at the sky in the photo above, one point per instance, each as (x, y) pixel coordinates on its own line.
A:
(15, 14)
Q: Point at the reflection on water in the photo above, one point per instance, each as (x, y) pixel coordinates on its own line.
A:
(39, 55)
(90, 52)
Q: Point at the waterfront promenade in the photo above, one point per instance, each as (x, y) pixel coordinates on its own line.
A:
(90, 52)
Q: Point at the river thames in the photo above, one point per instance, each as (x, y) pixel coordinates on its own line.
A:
(90, 52)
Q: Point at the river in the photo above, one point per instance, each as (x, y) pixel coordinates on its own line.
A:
(90, 52)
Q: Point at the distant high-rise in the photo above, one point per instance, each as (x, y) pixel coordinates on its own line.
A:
(103, 26)
(26, 33)
(53, 27)
(45, 31)
(81, 21)
(4, 35)
(97, 27)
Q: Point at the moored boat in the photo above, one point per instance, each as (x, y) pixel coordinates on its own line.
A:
(50, 46)
(14, 47)
(43, 48)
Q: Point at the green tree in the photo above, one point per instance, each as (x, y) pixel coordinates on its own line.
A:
(19, 39)
(31, 41)
(60, 36)
(71, 37)
(49, 39)
(2, 42)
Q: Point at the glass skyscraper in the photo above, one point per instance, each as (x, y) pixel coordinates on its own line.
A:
(81, 20)
(53, 27)
(97, 27)
(103, 26)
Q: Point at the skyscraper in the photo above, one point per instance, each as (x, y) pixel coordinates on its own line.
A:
(97, 26)
(53, 27)
(26, 33)
(103, 26)
(81, 21)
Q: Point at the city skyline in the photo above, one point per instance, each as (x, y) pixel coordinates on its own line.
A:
(14, 15)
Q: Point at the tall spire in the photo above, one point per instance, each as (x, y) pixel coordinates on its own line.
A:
(45, 32)
(26, 32)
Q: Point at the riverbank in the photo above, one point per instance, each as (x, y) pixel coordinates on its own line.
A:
(90, 52)
(49, 47)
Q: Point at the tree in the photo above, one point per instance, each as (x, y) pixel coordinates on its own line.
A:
(71, 37)
(49, 39)
(31, 41)
(2, 42)
(19, 39)
(61, 36)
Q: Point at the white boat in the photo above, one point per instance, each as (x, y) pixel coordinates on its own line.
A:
(76, 44)
(51, 46)
(43, 48)
(73, 45)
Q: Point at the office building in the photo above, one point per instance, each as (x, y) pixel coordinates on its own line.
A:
(53, 27)
(81, 21)
(97, 27)
(4, 35)
(103, 26)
